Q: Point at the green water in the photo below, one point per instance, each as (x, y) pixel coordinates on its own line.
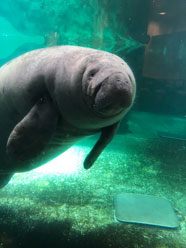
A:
(26, 25)
(63, 205)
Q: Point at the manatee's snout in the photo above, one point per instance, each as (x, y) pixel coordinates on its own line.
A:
(113, 95)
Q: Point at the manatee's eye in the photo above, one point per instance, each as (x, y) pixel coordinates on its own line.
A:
(91, 74)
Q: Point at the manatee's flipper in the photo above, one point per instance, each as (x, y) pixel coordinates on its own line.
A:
(4, 179)
(33, 132)
(107, 134)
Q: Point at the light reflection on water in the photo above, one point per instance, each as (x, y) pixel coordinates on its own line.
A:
(67, 164)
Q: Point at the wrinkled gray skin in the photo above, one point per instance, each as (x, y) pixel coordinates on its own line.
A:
(50, 98)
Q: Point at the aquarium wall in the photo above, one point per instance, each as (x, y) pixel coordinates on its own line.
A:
(94, 23)
(164, 85)
(60, 204)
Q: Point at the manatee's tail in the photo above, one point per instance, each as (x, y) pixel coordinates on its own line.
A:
(4, 179)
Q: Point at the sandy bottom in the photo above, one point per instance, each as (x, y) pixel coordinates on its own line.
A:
(62, 205)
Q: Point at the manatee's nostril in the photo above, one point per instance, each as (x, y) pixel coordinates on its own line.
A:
(126, 82)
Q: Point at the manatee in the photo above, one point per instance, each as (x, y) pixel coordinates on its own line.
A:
(50, 98)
